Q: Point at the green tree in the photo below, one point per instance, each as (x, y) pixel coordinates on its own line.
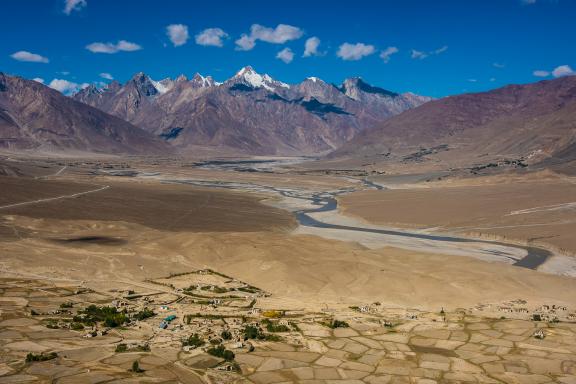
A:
(226, 335)
(193, 341)
(222, 352)
(136, 367)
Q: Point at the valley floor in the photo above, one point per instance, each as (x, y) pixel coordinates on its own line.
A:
(538, 209)
(163, 236)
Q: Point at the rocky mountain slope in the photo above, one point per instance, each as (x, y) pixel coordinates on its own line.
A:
(249, 113)
(33, 116)
(516, 124)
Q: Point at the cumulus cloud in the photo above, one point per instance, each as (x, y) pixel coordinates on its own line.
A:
(38, 80)
(311, 47)
(245, 43)
(286, 55)
(559, 71)
(29, 57)
(121, 45)
(356, 51)
(107, 76)
(420, 55)
(498, 65)
(279, 35)
(540, 73)
(178, 34)
(211, 36)
(66, 87)
(563, 70)
(74, 5)
(385, 54)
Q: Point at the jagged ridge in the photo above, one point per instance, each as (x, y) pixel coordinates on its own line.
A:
(250, 113)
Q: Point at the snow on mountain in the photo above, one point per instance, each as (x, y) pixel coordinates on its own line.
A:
(252, 78)
(250, 112)
(163, 86)
(200, 81)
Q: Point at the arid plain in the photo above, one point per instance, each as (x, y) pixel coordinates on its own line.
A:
(225, 249)
(535, 208)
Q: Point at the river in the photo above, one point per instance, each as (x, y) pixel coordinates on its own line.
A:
(326, 201)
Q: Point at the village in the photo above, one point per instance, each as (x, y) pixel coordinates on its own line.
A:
(213, 327)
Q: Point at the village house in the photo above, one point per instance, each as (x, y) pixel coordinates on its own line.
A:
(539, 334)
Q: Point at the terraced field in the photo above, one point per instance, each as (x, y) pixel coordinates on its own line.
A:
(462, 349)
(371, 344)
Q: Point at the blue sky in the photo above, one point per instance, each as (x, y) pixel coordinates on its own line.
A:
(434, 48)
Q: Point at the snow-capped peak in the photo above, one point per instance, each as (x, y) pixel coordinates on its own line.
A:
(200, 81)
(246, 70)
(163, 86)
(256, 80)
(253, 78)
(280, 84)
(314, 79)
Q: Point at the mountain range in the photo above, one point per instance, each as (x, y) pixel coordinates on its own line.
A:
(35, 117)
(253, 114)
(249, 113)
(521, 125)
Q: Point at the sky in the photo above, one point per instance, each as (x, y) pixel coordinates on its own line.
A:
(433, 48)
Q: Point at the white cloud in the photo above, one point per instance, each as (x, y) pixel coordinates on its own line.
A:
(498, 65)
(286, 55)
(74, 5)
(540, 73)
(245, 43)
(440, 50)
(279, 35)
(29, 56)
(563, 70)
(178, 34)
(472, 80)
(38, 80)
(529, 2)
(211, 36)
(311, 47)
(121, 45)
(106, 75)
(65, 86)
(385, 54)
(356, 51)
(419, 55)
(559, 71)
